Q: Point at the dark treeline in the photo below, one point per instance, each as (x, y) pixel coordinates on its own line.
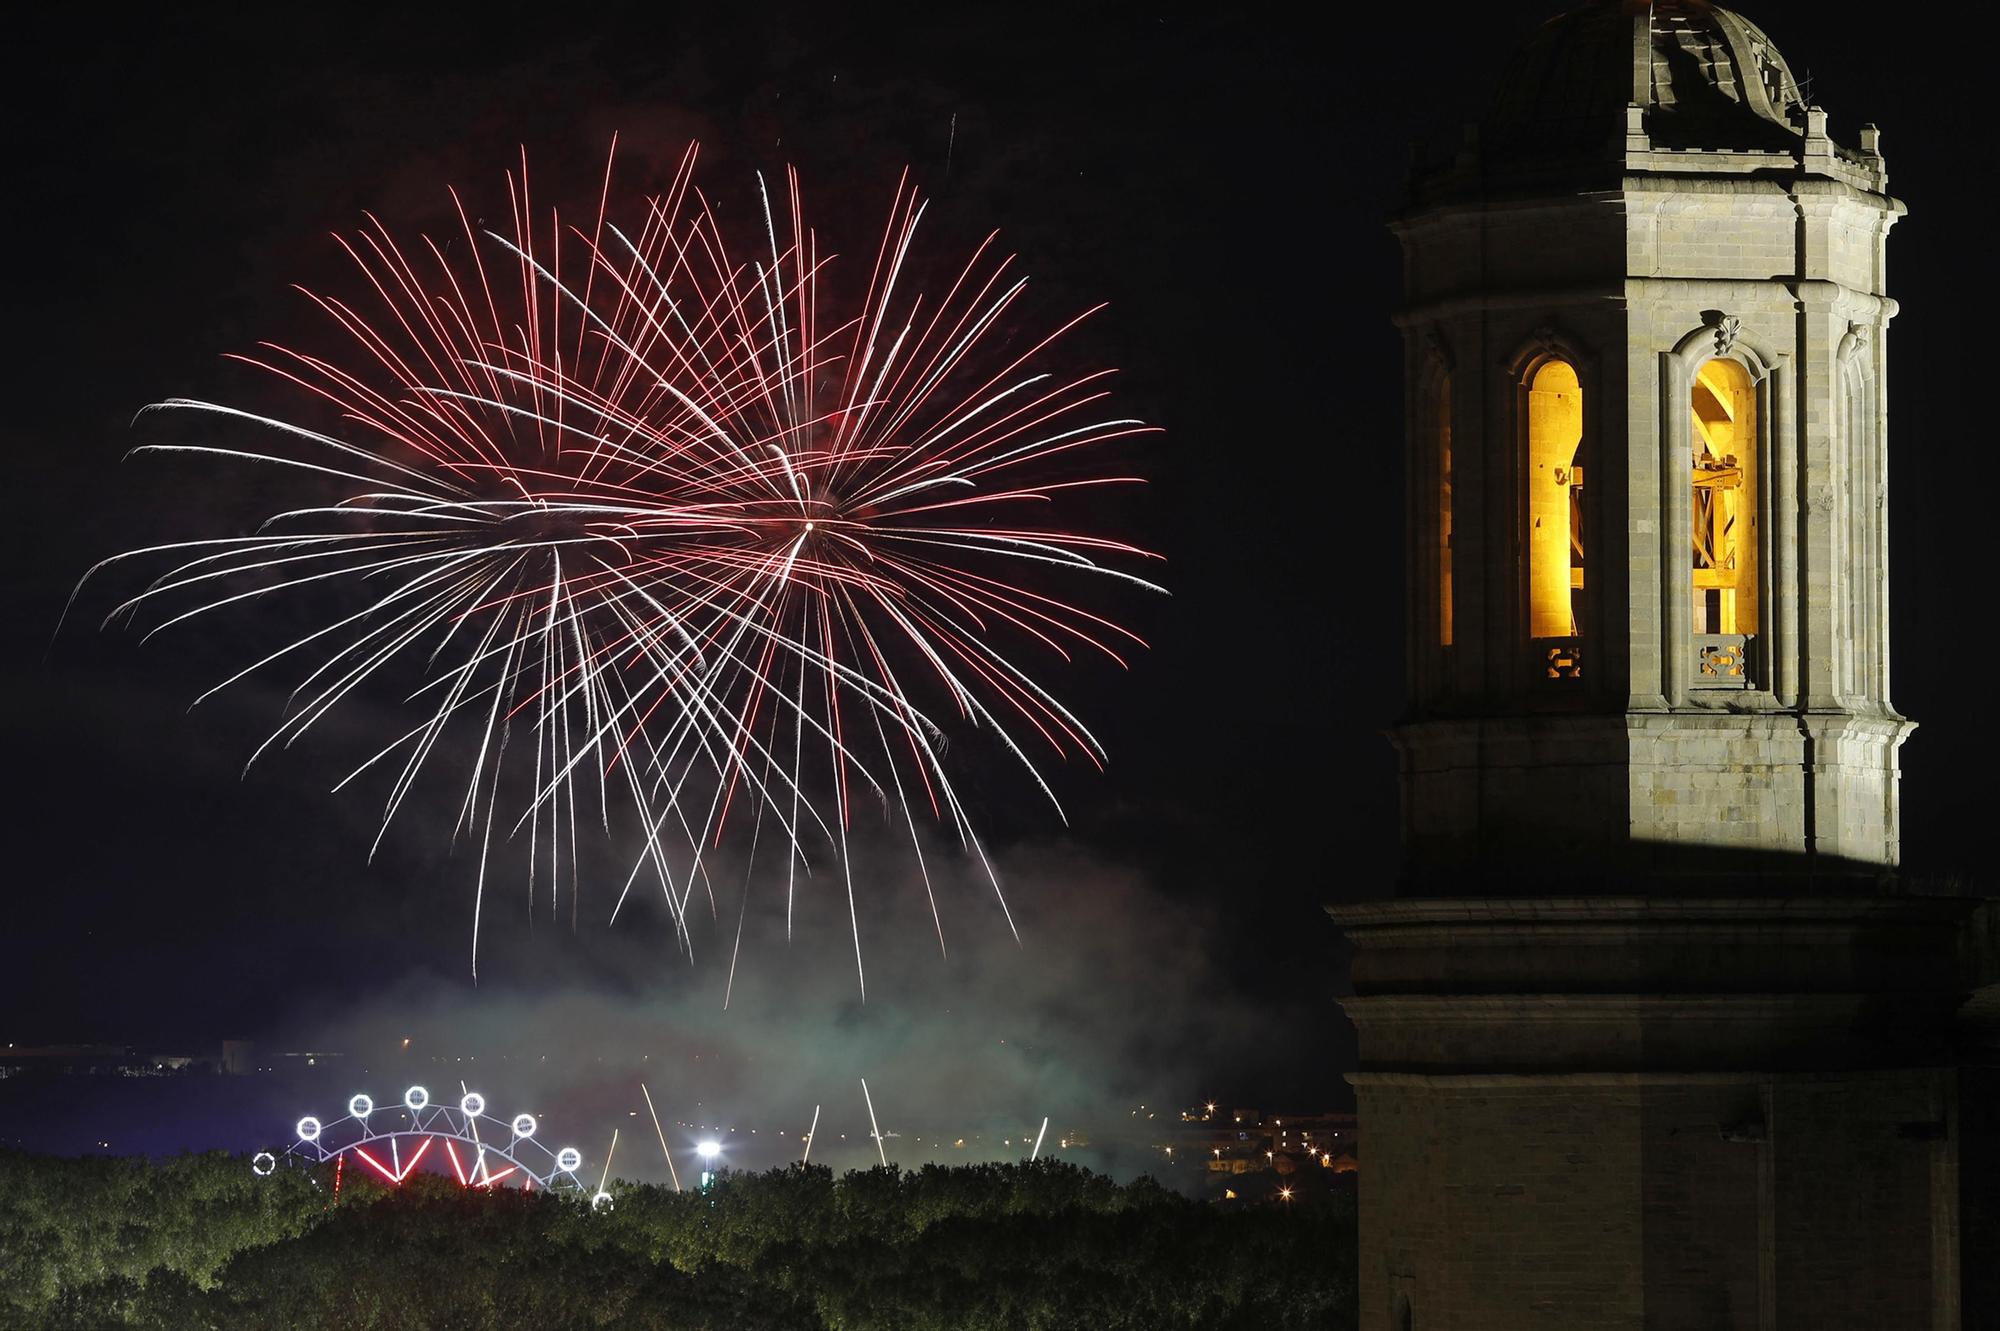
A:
(199, 1241)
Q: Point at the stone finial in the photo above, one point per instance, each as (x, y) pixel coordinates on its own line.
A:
(1726, 327)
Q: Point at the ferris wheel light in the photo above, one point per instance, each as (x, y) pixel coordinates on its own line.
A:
(601, 1202)
(494, 1159)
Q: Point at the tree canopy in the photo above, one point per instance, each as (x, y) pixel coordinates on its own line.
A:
(199, 1241)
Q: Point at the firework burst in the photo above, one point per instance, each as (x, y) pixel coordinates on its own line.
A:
(668, 541)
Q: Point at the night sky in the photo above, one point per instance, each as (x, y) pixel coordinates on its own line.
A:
(1221, 179)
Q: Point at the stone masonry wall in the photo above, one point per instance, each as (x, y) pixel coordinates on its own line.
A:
(1651, 1206)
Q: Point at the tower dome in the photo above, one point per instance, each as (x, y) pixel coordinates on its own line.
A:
(1701, 75)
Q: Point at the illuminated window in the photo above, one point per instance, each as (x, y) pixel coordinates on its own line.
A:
(1441, 409)
(1724, 507)
(1555, 503)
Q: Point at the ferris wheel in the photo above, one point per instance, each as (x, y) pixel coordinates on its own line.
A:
(481, 1150)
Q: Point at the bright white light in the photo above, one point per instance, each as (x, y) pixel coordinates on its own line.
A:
(361, 1106)
(473, 1105)
(601, 1202)
(308, 1128)
(524, 1125)
(708, 1150)
(416, 1098)
(568, 1158)
(262, 1163)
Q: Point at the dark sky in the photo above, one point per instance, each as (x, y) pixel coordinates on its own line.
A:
(1220, 176)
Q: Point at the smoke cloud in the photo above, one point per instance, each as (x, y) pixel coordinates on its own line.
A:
(1104, 1012)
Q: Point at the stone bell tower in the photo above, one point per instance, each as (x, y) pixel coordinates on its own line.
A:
(1646, 320)
(1652, 1036)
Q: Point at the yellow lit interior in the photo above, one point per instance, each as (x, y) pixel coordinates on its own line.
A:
(1555, 503)
(1724, 504)
(1442, 409)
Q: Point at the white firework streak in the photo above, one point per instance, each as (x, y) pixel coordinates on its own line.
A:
(623, 501)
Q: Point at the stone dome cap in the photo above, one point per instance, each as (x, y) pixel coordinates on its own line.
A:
(1705, 77)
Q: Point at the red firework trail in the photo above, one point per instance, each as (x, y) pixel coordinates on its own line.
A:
(710, 553)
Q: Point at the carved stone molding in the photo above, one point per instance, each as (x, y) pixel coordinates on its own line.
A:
(1546, 342)
(1561, 658)
(1725, 327)
(1722, 659)
(1436, 350)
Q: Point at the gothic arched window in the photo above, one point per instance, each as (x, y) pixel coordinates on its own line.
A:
(1724, 502)
(1555, 503)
